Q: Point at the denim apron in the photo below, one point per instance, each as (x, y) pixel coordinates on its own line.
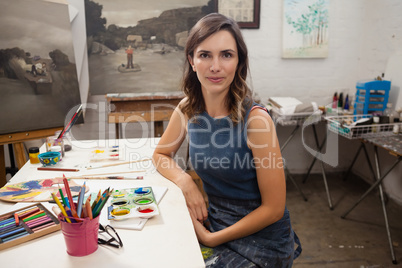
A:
(219, 154)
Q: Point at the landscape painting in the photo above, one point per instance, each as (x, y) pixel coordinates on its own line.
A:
(136, 46)
(38, 76)
(305, 28)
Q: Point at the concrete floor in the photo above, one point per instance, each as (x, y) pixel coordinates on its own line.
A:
(359, 241)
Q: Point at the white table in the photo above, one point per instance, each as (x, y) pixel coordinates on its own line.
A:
(167, 240)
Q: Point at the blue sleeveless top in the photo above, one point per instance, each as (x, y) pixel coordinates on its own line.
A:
(221, 157)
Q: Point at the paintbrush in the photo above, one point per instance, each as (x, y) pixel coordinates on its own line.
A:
(107, 178)
(120, 163)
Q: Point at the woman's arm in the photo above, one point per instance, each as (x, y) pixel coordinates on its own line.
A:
(267, 157)
(168, 145)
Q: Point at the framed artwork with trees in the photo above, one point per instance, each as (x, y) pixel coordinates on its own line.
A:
(305, 29)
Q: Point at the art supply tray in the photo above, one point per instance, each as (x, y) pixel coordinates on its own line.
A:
(30, 226)
(295, 118)
(132, 203)
(346, 126)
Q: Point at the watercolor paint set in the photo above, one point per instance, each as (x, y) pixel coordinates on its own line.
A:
(27, 223)
(132, 203)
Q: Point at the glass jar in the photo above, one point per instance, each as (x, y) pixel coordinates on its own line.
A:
(33, 155)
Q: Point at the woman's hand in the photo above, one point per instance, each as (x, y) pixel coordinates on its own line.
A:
(204, 236)
(194, 199)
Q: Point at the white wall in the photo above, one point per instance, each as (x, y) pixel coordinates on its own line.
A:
(363, 34)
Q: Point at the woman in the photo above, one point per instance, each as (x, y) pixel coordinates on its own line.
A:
(234, 149)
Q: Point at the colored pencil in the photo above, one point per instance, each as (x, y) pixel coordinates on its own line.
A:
(39, 220)
(34, 217)
(20, 229)
(15, 236)
(62, 196)
(99, 209)
(80, 201)
(66, 202)
(59, 169)
(88, 209)
(70, 215)
(70, 197)
(37, 228)
(6, 221)
(40, 223)
(12, 227)
(96, 200)
(29, 212)
(63, 211)
(34, 214)
(7, 225)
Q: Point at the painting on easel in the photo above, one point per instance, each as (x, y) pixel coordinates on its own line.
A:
(38, 75)
(136, 46)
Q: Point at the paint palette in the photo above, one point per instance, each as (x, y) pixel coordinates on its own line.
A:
(36, 190)
(106, 154)
(132, 203)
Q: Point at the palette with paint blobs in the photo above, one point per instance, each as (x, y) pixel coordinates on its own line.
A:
(132, 203)
(106, 153)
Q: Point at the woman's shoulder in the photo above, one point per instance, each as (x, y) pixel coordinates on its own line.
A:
(258, 115)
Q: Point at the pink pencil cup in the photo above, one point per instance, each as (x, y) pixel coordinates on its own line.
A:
(82, 237)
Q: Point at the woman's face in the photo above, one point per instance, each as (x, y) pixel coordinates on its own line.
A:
(215, 62)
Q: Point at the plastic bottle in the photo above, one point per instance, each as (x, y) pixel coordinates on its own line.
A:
(340, 101)
(376, 121)
(335, 101)
(346, 106)
(388, 112)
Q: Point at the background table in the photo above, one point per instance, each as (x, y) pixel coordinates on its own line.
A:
(167, 240)
(142, 107)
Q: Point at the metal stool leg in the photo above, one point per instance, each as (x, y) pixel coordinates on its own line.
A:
(324, 177)
(353, 162)
(315, 159)
(287, 173)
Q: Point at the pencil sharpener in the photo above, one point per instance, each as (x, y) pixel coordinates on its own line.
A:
(49, 158)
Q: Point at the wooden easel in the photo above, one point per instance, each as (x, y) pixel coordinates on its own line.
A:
(18, 139)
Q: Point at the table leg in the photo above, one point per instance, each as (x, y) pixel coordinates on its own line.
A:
(372, 187)
(3, 179)
(377, 164)
(378, 184)
(354, 160)
(369, 162)
(20, 155)
(117, 129)
(158, 128)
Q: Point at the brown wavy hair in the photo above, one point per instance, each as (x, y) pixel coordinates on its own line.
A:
(239, 97)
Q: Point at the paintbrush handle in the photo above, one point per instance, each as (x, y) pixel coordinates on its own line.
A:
(120, 163)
